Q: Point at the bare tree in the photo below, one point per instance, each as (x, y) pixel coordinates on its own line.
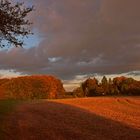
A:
(13, 23)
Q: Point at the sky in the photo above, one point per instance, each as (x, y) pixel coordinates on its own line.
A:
(77, 39)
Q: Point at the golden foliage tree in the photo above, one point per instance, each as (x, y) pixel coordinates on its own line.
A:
(32, 87)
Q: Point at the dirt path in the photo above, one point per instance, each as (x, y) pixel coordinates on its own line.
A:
(54, 120)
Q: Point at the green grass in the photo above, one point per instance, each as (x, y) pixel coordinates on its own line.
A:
(6, 106)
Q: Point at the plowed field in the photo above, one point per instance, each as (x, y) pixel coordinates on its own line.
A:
(98, 118)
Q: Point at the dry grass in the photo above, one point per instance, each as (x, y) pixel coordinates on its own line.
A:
(122, 109)
(75, 119)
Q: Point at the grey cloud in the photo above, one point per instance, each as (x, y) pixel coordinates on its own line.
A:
(134, 73)
(92, 36)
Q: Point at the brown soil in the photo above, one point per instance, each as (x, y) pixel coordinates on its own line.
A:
(75, 119)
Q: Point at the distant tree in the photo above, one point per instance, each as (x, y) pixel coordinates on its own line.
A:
(90, 87)
(104, 81)
(118, 86)
(78, 92)
(110, 81)
(134, 88)
(13, 25)
(105, 85)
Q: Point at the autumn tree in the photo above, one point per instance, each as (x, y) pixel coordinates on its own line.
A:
(90, 87)
(78, 92)
(105, 85)
(118, 86)
(13, 23)
(32, 87)
(104, 81)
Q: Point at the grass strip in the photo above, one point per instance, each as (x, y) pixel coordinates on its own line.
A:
(6, 106)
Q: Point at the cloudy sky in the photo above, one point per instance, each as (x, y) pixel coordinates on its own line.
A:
(75, 39)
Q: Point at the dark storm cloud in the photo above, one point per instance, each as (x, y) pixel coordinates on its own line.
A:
(81, 37)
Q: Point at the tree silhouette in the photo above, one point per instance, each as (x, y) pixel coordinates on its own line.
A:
(13, 25)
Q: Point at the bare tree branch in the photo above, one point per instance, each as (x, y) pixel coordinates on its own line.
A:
(13, 25)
